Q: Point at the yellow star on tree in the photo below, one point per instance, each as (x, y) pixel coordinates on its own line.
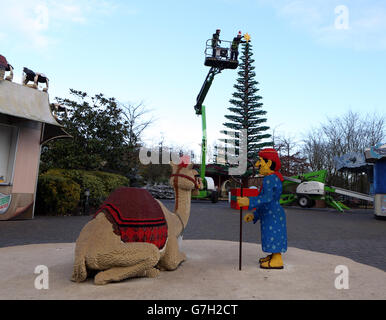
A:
(247, 37)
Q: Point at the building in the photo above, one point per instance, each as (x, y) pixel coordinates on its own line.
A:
(26, 123)
(377, 156)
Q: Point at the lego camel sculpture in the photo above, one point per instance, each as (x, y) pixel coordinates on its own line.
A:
(124, 240)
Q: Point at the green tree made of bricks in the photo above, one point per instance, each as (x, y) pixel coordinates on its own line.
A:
(246, 110)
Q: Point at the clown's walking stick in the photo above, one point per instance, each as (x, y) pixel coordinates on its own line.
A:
(241, 227)
(241, 212)
(241, 220)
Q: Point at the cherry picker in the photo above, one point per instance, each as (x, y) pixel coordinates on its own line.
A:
(217, 62)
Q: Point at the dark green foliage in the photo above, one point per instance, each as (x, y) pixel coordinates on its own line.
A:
(105, 135)
(156, 173)
(56, 195)
(61, 191)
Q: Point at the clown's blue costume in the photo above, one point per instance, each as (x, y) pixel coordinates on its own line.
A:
(268, 210)
(271, 215)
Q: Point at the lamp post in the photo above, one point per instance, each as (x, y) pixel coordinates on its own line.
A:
(86, 204)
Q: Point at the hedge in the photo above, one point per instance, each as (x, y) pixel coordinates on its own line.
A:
(54, 189)
(57, 195)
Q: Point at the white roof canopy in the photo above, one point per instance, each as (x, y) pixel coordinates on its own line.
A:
(375, 153)
(24, 102)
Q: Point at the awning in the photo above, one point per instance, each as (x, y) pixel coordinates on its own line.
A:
(375, 153)
(51, 132)
(23, 102)
(354, 162)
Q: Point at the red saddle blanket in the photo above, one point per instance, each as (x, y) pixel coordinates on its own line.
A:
(136, 216)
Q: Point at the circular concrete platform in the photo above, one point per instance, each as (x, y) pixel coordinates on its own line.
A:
(211, 272)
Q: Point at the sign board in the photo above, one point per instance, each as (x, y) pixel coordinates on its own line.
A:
(350, 160)
(5, 201)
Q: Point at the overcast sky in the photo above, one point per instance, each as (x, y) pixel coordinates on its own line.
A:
(313, 59)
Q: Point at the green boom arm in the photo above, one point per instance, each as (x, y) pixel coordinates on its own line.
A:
(200, 110)
(205, 88)
(203, 143)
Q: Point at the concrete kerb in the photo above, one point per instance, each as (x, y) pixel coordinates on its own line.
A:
(210, 272)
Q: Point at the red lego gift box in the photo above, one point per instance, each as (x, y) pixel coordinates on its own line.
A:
(247, 192)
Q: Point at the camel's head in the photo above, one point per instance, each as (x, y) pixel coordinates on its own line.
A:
(183, 176)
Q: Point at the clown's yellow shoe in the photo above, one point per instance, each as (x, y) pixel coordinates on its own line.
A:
(267, 258)
(276, 262)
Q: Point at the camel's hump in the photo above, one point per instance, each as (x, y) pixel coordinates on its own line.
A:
(136, 216)
(134, 203)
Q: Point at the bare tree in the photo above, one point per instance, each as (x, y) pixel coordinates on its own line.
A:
(134, 116)
(351, 133)
(375, 129)
(136, 122)
(314, 150)
(292, 162)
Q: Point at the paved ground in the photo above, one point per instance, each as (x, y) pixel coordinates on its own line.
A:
(355, 235)
(210, 272)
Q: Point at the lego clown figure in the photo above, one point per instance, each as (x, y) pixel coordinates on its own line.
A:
(268, 210)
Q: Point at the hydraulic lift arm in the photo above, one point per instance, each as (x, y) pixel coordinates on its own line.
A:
(205, 88)
(200, 110)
